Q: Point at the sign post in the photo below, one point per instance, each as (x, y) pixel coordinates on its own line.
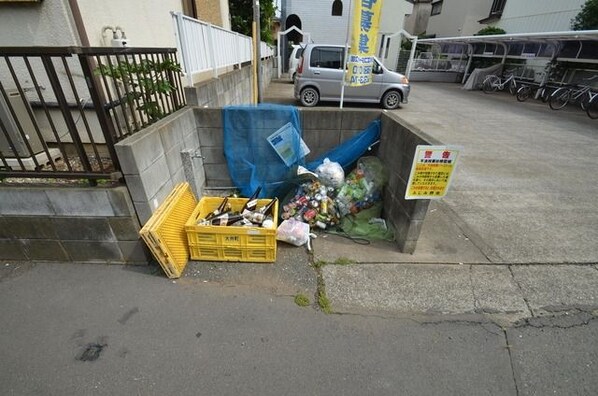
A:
(431, 172)
(359, 63)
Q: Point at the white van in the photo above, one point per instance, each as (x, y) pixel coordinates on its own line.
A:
(294, 61)
(320, 73)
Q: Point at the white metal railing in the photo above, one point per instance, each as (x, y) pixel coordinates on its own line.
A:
(204, 47)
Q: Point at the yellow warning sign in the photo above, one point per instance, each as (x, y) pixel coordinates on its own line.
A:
(431, 172)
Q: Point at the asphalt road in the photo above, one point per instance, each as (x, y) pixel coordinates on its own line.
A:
(106, 330)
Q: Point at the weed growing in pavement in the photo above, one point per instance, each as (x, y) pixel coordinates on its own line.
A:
(343, 261)
(323, 301)
(302, 300)
(319, 264)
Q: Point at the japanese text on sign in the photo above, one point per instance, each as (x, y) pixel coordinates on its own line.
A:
(431, 172)
(360, 62)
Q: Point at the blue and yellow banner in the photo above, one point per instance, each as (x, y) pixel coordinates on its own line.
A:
(364, 37)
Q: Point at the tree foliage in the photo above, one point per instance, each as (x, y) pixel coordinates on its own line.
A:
(489, 30)
(587, 19)
(241, 17)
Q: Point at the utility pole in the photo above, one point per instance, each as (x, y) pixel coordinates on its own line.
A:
(258, 55)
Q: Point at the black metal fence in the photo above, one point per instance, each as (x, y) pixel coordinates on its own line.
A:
(62, 109)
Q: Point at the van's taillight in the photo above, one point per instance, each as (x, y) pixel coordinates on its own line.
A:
(300, 68)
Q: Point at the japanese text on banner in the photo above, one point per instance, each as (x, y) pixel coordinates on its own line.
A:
(431, 172)
(364, 35)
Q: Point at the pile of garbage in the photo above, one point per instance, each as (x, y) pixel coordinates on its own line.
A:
(331, 200)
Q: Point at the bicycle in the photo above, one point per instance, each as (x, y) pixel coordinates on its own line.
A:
(542, 92)
(492, 83)
(562, 96)
(592, 109)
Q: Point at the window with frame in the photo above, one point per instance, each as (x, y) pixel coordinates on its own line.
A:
(436, 8)
(329, 58)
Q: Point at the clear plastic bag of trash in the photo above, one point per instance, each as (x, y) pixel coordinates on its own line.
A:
(293, 231)
(331, 173)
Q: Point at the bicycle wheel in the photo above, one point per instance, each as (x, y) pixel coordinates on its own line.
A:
(592, 109)
(524, 93)
(559, 98)
(544, 94)
(490, 84)
(513, 87)
(584, 102)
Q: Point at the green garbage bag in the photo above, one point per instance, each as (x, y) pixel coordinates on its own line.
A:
(367, 224)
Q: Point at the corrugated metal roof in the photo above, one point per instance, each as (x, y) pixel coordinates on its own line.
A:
(506, 38)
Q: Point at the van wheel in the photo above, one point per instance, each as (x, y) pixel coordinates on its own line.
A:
(309, 97)
(391, 100)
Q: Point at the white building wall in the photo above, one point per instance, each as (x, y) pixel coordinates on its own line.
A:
(146, 23)
(459, 18)
(48, 23)
(392, 21)
(316, 19)
(528, 16)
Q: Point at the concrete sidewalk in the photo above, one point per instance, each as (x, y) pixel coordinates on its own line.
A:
(520, 210)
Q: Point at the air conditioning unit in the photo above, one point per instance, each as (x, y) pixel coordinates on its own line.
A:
(21, 109)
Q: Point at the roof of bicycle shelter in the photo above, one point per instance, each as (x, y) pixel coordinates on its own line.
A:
(516, 37)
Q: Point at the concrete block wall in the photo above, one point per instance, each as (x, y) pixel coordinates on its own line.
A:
(398, 142)
(151, 169)
(70, 224)
(151, 160)
(211, 146)
(324, 129)
(228, 89)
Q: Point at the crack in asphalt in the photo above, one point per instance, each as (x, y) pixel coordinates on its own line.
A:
(508, 346)
(529, 308)
(580, 319)
(476, 303)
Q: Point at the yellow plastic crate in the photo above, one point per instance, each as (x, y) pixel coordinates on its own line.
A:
(164, 232)
(219, 243)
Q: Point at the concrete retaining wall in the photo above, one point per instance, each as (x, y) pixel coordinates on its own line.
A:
(231, 88)
(69, 224)
(324, 130)
(398, 142)
(151, 160)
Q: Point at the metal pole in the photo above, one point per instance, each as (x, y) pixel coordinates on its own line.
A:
(349, 15)
(278, 57)
(258, 44)
(411, 56)
(470, 53)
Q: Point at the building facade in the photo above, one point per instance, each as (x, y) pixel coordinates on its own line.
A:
(144, 23)
(530, 16)
(326, 21)
(450, 18)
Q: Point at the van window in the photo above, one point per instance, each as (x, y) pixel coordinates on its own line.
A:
(328, 57)
(299, 53)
